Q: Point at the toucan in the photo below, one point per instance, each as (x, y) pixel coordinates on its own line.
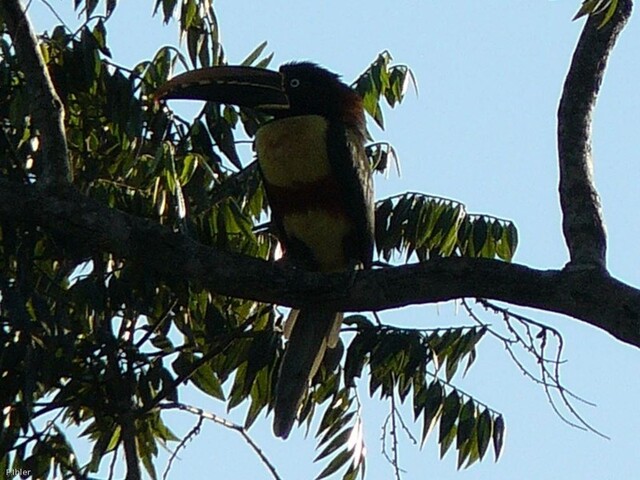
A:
(318, 182)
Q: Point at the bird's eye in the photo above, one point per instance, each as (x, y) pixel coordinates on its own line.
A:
(294, 82)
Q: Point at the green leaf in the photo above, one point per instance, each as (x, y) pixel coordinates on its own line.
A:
(262, 353)
(90, 6)
(357, 355)
(613, 5)
(512, 237)
(222, 134)
(466, 424)
(484, 432)
(499, 432)
(114, 440)
(111, 6)
(597, 7)
(338, 441)
(447, 441)
(264, 63)
(335, 415)
(100, 36)
(253, 56)
(189, 167)
(333, 429)
(260, 395)
(195, 41)
(479, 235)
(468, 452)
(433, 403)
(336, 464)
(450, 413)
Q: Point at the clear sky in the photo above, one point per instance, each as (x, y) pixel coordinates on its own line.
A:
(482, 131)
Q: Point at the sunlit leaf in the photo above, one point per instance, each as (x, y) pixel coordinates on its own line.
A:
(253, 56)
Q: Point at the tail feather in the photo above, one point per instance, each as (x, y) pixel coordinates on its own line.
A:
(303, 355)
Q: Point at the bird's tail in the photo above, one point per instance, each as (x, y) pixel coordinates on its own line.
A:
(310, 332)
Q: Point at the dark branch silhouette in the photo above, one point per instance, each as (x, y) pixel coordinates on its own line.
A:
(582, 222)
(82, 225)
(47, 109)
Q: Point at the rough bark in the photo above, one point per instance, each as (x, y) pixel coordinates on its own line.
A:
(47, 108)
(82, 226)
(582, 221)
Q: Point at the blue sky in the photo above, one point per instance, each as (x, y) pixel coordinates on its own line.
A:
(481, 131)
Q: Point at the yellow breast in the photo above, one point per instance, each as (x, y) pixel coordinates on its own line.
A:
(324, 234)
(293, 151)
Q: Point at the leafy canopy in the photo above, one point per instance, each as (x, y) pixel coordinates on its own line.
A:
(95, 340)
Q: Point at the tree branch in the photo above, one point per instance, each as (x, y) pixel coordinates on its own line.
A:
(130, 448)
(47, 108)
(82, 226)
(227, 424)
(583, 223)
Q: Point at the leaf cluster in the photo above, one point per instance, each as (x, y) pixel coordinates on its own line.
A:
(429, 227)
(420, 365)
(383, 80)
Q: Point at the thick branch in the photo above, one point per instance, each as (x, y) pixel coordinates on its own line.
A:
(582, 223)
(47, 109)
(130, 448)
(83, 226)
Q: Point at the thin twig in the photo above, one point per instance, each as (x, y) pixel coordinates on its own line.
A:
(461, 392)
(227, 424)
(112, 464)
(159, 324)
(549, 379)
(191, 434)
(394, 438)
(383, 439)
(56, 14)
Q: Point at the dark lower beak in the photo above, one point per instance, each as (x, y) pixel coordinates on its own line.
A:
(243, 86)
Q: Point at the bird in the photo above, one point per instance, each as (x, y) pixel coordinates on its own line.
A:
(319, 187)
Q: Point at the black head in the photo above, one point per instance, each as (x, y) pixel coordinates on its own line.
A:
(314, 90)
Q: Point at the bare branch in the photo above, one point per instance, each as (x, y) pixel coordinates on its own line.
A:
(583, 223)
(394, 438)
(227, 424)
(536, 345)
(47, 109)
(189, 436)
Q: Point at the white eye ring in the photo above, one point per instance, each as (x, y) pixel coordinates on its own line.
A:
(294, 82)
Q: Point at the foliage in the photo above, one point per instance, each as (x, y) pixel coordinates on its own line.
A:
(436, 227)
(598, 7)
(93, 340)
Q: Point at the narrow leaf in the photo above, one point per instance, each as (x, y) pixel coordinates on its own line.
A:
(253, 56)
(499, 432)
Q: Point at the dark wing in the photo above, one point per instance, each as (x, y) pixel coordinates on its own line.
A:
(353, 171)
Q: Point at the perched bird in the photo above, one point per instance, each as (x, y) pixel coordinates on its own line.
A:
(318, 184)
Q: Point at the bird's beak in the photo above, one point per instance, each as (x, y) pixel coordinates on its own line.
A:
(243, 86)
